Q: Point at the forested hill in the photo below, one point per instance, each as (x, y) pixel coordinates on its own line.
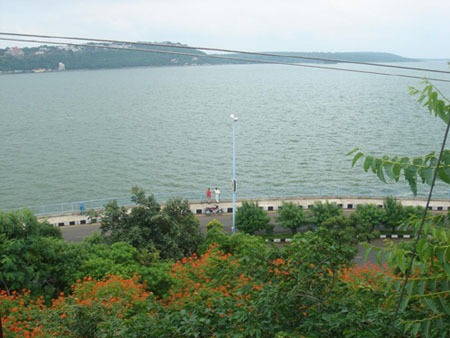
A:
(76, 57)
(88, 57)
(349, 56)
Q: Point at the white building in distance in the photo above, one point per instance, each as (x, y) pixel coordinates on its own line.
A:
(15, 51)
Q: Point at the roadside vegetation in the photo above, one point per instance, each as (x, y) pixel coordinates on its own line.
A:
(152, 283)
(150, 273)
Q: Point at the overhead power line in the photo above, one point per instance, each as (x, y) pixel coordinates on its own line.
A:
(224, 58)
(155, 44)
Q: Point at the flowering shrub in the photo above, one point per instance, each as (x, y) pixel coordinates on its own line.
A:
(369, 276)
(94, 308)
(211, 295)
(297, 291)
(19, 314)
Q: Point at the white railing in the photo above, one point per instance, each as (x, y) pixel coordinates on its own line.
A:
(198, 197)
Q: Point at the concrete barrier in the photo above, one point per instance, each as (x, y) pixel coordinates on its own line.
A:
(274, 204)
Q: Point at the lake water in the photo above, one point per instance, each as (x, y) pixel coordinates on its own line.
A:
(82, 135)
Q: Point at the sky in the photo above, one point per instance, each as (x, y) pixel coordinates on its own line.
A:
(410, 28)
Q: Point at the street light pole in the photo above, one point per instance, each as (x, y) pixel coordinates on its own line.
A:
(234, 182)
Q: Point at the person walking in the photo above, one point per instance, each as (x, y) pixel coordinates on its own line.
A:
(217, 194)
(208, 195)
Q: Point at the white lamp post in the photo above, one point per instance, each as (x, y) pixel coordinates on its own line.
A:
(234, 182)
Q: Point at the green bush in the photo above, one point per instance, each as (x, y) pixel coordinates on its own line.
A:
(98, 260)
(365, 219)
(173, 231)
(323, 211)
(291, 216)
(33, 255)
(251, 218)
(368, 217)
(214, 223)
(238, 244)
(394, 213)
(416, 212)
(23, 224)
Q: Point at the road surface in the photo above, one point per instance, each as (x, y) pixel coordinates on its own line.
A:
(76, 233)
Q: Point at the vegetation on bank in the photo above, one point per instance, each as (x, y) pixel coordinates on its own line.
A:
(150, 273)
(84, 57)
(165, 279)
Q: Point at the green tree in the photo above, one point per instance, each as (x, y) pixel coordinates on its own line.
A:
(323, 211)
(173, 231)
(240, 244)
(291, 216)
(33, 255)
(366, 218)
(251, 218)
(98, 260)
(23, 224)
(340, 230)
(394, 213)
(413, 211)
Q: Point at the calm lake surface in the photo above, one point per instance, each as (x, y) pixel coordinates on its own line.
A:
(82, 135)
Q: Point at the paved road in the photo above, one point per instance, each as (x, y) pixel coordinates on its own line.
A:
(76, 233)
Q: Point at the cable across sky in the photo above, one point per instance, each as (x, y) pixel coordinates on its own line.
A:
(230, 58)
(155, 44)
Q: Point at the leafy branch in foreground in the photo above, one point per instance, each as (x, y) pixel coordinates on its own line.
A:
(412, 168)
(422, 300)
(425, 308)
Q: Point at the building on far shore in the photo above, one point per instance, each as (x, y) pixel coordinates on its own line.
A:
(15, 51)
(61, 66)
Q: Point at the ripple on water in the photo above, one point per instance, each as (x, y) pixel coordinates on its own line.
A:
(85, 135)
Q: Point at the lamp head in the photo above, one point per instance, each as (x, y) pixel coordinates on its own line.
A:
(234, 117)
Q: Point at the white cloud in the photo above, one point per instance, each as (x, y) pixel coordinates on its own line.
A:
(411, 28)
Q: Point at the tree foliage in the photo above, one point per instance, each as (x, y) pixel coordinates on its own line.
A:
(257, 291)
(32, 254)
(291, 216)
(419, 268)
(367, 218)
(424, 308)
(394, 213)
(23, 224)
(173, 230)
(251, 218)
(323, 211)
(95, 58)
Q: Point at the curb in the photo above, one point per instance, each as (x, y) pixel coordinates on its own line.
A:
(393, 236)
(77, 222)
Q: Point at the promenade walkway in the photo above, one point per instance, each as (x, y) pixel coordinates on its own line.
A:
(272, 204)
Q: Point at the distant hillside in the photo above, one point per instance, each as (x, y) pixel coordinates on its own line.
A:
(349, 56)
(46, 58)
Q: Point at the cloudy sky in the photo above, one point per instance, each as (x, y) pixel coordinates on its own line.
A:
(409, 28)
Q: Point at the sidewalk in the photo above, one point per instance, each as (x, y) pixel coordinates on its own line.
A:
(273, 204)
